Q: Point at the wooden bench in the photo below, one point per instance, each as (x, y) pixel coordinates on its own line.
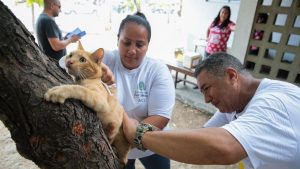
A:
(180, 69)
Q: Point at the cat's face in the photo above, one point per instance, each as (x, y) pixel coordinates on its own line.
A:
(84, 65)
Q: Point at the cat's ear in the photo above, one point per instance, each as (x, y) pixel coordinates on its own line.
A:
(98, 55)
(80, 47)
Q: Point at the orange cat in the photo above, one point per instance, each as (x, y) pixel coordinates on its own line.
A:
(86, 69)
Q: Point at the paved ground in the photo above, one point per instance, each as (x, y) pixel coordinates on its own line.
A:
(193, 98)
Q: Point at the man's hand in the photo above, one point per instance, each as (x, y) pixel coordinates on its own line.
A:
(129, 128)
(107, 75)
(74, 38)
(66, 37)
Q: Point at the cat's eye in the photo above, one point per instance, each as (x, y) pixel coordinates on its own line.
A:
(82, 59)
(70, 55)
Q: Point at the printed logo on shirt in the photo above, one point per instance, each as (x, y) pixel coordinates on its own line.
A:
(215, 38)
(140, 93)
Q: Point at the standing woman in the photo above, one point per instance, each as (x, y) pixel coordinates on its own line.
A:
(219, 31)
(145, 86)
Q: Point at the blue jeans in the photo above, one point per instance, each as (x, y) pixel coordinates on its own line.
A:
(154, 161)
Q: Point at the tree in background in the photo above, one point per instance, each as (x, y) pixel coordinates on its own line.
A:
(30, 3)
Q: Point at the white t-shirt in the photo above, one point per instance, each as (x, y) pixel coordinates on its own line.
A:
(269, 126)
(145, 91)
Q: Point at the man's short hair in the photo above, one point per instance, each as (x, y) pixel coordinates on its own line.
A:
(47, 3)
(217, 63)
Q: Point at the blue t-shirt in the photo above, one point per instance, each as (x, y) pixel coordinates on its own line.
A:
(47, 28)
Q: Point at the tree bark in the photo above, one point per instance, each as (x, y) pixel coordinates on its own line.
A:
(51, 135)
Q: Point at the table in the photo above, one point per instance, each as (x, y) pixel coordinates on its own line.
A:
(180, 69)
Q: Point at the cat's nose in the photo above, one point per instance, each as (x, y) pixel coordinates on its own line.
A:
(69, 63)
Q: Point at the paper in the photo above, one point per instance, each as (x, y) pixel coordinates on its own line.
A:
(77, 32)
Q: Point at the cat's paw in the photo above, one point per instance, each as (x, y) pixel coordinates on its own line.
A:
(55, 95)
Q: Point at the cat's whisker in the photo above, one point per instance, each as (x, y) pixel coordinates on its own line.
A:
(81, 75)
(87, 72)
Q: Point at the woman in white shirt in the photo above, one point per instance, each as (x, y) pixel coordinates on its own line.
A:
(145, 86)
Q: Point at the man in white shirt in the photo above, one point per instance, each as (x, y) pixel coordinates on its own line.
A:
(258, 121)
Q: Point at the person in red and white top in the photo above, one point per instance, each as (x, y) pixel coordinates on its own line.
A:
(219, 31)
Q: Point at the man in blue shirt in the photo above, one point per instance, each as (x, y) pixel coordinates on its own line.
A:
(48, 33)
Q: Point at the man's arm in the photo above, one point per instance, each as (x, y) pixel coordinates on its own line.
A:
(57, 44)
(198, 146)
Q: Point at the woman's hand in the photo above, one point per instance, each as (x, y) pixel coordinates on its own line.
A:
(107, 75)
(129, 128)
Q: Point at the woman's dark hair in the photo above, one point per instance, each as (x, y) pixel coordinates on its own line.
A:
(138, 18)
(217, 19)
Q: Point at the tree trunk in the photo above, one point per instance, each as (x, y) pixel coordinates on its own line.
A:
(51, 135)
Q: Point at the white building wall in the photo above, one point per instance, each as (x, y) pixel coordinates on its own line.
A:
(198, 15)
(243, 28)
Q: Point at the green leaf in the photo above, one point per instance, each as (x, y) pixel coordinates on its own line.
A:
(39, 2)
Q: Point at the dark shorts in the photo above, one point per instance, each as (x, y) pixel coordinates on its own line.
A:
(154, 161)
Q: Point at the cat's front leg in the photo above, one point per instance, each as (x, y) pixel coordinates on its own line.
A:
(90, 98)
(57, 94)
